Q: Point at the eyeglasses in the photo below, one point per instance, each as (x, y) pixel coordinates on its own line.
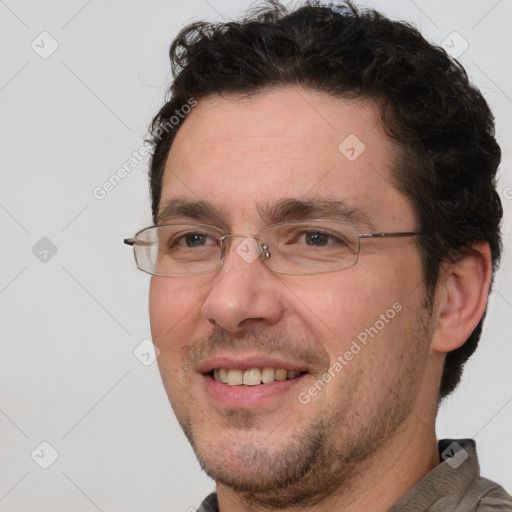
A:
(299, 247)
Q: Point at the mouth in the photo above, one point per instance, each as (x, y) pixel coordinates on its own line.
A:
(237, 381)
(253, 376)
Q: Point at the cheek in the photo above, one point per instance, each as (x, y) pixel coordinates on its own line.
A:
(356, 305)
(172, 306)
(337, 307)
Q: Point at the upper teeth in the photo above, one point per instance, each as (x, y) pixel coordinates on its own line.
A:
(253, 376)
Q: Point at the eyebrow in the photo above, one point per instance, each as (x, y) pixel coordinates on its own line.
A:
(296, 209)
(179, 208)
(280, 211)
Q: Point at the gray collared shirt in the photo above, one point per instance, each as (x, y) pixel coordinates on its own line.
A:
(455, 485)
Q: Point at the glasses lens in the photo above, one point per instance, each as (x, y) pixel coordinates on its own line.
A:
(178, 249)
(311, 247)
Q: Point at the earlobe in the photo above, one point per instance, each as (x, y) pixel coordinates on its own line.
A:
(461, 297)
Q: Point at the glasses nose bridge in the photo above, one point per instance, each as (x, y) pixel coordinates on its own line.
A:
(222, 238)
(263, 247)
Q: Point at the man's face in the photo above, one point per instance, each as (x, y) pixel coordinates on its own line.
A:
(241, 155)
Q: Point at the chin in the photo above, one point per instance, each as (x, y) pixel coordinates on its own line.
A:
(255, 461)
(249, 469)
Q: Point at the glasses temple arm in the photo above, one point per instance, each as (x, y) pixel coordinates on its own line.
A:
(389, 235)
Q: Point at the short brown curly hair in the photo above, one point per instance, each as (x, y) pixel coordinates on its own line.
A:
(443, 128)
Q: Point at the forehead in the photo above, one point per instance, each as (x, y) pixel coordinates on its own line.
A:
(241, 153)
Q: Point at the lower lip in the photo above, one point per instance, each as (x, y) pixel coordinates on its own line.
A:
(245, 397)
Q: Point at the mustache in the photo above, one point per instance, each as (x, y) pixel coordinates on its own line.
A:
(259, 341)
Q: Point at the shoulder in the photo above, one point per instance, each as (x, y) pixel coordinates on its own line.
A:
(493, 498)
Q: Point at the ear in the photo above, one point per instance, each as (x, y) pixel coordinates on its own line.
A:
(461, 297)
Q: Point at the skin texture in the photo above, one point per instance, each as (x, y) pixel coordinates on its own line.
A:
(368, 436)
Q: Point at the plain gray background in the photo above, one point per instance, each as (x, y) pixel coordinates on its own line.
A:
(74, 307)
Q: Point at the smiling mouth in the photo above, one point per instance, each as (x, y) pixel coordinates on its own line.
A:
(253, 376)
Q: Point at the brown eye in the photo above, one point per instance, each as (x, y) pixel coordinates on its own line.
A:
(195, 239)
(316, 238)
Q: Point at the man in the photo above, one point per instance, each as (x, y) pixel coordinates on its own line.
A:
(326, 232)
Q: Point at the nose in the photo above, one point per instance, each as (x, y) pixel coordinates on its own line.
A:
(244, 294)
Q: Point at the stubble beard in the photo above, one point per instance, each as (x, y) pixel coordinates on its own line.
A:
(319, 460)
(315, 463)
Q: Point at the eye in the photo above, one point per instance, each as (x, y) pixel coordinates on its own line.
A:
(319, 239)
(191, 239)
(316, 238)
(194, 239)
